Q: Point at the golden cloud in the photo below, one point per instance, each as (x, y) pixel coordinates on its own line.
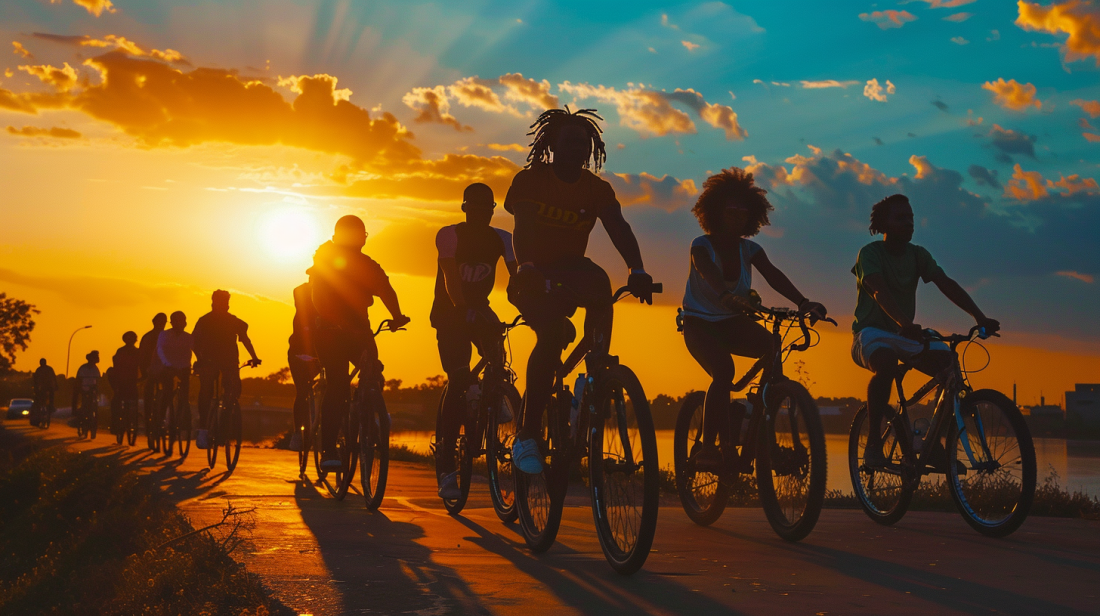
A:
(432, 105)
(826, 83)
(1085, 278)
(1012, 94)
(688, 45)
(806, 169)
(1091, 138)
(1075, 184)
(63, 79)
(482, 93)
(1025, 185)
(431, 180)
(888, 19)
(924, 168)
(34, 131)
(522, 89)
(665, 192)
(946, 4)
(1080, 20)
(1090, 107)
(651, 111)
(876, 92)
(95, 7)
(21, 51)
(476, 92)
(958, 17)
(507, 147)
(112, 41)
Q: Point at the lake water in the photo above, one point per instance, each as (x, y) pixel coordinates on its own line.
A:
(1077, 463)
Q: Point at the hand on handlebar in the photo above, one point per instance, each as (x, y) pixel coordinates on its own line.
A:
(989, 327)
(816, 312)
(252, 363)
(641, 286)
(398, 322)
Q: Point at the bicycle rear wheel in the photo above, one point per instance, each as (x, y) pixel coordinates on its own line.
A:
(703, 494)
(231, 434)
(883, 493)
(499, 436)
(183, 431)
(623, 470)
(339, 481)
(93, 422)
(307, 436)
(790, 461)
(213, 434)
(994, 485)
(81, 424)
(133, 418)
(374, 456)
(540, 498)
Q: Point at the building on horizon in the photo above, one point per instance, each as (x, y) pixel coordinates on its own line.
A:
(1083, 406)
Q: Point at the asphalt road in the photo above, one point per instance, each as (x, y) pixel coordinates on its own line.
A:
(322, 556)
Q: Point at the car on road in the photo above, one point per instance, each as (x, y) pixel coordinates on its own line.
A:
(19, 408)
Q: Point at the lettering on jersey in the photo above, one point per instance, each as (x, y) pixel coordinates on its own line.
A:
(474, 272)
(557, 217)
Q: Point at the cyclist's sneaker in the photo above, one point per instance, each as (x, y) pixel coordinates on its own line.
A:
(709, 456)
(936, 458)
(874, 458)
(526, 456)
(202, 439)
(330, 463)
(296, 441)
(448, 486)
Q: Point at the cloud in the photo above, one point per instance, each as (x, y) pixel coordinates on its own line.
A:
(1012, 94)
(102, 293)
(944, 4)
(1009, 141)
(1085, 278)
(522, 89)
(958, 17)
(888, 19)
(826, 83)
(95, 7)
(1025, 185)
(1075, 184)
(1090, 107)
(1091, 138)
(21, 51)
(429, 180)
(689, 45)
(666, 192)
(877, 141)
(958, 40)
(433, 107)
(34, 131)
(112, 41)
(984, 177)
(942, 106)
(668, 24)
(971, 121)
(994, 35)
(63, 79)
(1080, 20)
(651, 111)
(507, 147)
(876, 92)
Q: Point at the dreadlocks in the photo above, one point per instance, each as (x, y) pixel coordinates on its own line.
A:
(550, 123)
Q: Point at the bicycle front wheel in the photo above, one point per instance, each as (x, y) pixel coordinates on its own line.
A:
(623, 470)
(231, 434)
(702, 492)
(133, 417)
(790, 461)
(93, 422)
(183, 432)
(884, 493)
(540, 498)
(500, 434)
(991, 464)
(374, 443)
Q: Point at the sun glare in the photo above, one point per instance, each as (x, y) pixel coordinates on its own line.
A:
(289, 234)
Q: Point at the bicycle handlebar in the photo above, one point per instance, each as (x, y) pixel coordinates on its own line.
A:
(387, 325)
(655, 287)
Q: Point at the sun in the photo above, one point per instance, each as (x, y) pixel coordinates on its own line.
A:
(289, 234)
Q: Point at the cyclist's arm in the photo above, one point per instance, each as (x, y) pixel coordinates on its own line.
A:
(776, 279)
(622, 236)
(247, 342)
(452, 280)
(958, 296)
(875, 284)
(389, 298)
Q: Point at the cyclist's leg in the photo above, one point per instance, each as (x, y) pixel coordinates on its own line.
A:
(454, 341)
(207, 380)
(302, 378)
(884, 364)
(231, 384)
(183, 393)
(592, 289)
(545, 360)
(715, 358)
(332, 347)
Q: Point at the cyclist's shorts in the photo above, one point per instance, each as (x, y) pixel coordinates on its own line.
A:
(870, 339)
(574, 282)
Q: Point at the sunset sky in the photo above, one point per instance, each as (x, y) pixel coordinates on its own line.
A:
(154, 150)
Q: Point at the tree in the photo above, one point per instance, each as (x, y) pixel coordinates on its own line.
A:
(282, 375)
(16, 325)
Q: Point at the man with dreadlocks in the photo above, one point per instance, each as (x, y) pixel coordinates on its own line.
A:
(887, 273)
(556, 201)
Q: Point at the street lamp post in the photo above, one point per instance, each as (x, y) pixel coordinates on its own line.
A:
(68, 350)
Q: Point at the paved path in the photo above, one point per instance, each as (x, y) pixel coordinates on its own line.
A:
(321, 556)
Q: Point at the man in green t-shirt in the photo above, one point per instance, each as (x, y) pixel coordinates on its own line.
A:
(887, 273)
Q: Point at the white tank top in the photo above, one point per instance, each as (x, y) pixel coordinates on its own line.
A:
(700, 300)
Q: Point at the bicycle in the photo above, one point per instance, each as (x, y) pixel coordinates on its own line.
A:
(127, 421)
(154, 424)
(784, 442)
(482, 432)
(87, 420)
(224, 425)
(41, 412)
(177, 422)
(606, 420)
(361, 440)
(311, 433)
(978, 438)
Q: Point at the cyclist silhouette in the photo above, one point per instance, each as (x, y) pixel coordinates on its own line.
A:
(174, 353)
(344, 283)
(150, 363)
(556, 201)
(45, 385)
(461, 316)
(214, 340)
(125, 369)
(887, 273)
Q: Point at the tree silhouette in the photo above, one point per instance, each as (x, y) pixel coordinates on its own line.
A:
(16, 325)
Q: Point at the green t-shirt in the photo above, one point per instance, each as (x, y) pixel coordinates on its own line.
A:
(901, 273)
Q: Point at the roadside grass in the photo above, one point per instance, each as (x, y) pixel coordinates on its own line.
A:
(84, 534)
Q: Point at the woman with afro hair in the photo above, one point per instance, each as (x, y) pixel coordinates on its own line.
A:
(718, 321)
